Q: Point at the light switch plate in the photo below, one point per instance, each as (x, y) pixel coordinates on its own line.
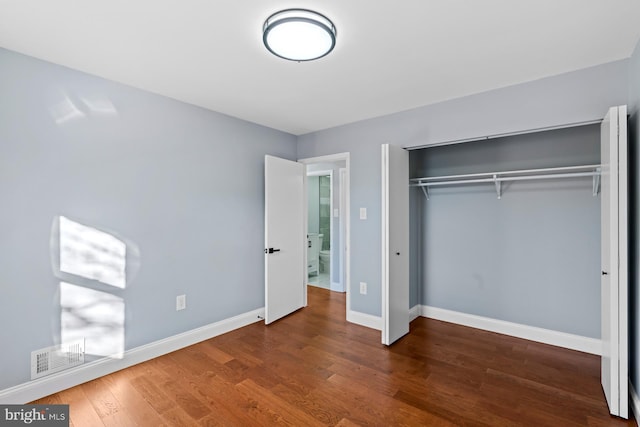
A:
(363, 288)
(363, 213)
(181, 302)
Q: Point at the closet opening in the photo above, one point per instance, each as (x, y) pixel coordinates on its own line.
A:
(524, 251)
(527, 235)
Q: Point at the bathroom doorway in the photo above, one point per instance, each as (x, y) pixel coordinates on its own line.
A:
(332, 270)
(320, 234)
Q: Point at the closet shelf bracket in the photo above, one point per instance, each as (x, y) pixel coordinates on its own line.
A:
(596, 182)
(425, 190)
(498, 186)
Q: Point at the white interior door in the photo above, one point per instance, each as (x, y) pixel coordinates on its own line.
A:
(395, 243)
(284, 237)
(613, 285)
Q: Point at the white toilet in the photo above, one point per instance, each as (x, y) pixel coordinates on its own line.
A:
(325, 260)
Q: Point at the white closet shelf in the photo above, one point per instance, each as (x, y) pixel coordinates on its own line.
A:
(497, 178)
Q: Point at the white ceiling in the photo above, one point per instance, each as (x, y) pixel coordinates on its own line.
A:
(390, 55)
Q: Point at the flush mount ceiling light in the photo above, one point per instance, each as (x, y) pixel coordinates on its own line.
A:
(299, 35)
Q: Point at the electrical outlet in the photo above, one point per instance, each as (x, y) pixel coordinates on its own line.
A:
(363, 288)
(181, 302)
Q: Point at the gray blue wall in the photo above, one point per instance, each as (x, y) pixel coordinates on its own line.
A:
(532, 257)
(634, 226)
(182, 185)
(578, 96)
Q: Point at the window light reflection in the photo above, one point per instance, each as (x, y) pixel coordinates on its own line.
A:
(67, 107)
(91, 253)
(100, 106)
(97, 317)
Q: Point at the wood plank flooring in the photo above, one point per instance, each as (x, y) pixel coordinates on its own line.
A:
(314, 368)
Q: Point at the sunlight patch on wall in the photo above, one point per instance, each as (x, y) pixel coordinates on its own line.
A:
(92, 254)
(67, 107)
(93, 267)
(100, 106)
(97, 316)
(65, 110)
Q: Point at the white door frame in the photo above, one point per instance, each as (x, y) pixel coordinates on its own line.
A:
(329, 173)
(343, 229)
(345, 213)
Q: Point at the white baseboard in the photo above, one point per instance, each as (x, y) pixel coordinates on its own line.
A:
(54, 383)
(363, 319)
(634, 403)
(415, 312)
(532, 333)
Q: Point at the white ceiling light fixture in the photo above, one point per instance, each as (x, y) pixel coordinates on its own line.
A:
(299, 35)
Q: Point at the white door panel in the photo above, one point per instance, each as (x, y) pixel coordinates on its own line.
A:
(284, 238)
(613, 285)
(395, 243)
(623, 259)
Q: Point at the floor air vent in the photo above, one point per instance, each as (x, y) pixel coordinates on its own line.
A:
(57, 358)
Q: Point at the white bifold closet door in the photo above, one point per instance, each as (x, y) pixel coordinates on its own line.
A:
(395, 243)
(613, 286)
(285, 237)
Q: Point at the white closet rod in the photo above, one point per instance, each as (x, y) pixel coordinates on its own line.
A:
(518, 175)
(508, 178)
(513, 172)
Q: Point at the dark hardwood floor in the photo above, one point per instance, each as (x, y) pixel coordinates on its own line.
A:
(314, 368)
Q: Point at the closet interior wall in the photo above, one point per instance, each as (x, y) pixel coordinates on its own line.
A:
(531, 257)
